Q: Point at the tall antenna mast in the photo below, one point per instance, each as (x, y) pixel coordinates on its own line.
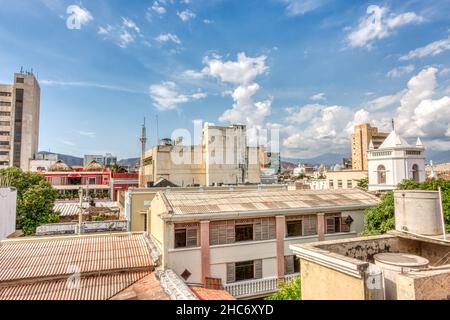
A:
(143, 141)
(393, 125)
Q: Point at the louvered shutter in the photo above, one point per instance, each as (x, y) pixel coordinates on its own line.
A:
(258, 269)
(231, 273)
(330, 225)
(289, 265)
(222, 233)
(265, 229)
(257, 230)
(230, 238)
(191, 237)
(214, 234)
(272, 229)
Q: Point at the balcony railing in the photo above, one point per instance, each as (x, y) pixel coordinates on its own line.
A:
(257, 287)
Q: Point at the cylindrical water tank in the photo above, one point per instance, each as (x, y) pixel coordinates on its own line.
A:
(418, 211)
(393, 264)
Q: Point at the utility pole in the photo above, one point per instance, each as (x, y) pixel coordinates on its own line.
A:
(80, 214)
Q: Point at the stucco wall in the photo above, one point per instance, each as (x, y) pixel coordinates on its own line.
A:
(8, 198)
(321, 283)
(434, 285)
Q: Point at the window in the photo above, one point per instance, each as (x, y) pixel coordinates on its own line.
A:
(294, 228)
(4, 153)
(333, 224)
(20, 80)
(4, 143)
(186, 237)
(413, 153)
(5, 94)
(4, 163)
(5, 114)
(5, 103)
(291, 265)
(349, 184)
(4, 133)
(331, 183)
(339, 184)
(244, 232)
(5, 123)
(415, 172)
(91, 181)
(381, 173)
(244, 270)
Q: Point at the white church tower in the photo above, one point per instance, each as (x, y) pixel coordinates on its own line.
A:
(394, 161)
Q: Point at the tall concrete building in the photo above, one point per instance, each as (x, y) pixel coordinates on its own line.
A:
(19, 121)
(361, 137)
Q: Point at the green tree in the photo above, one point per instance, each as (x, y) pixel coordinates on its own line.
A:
(363, 183)
(288, 291)
(35, 198)
(380, 219)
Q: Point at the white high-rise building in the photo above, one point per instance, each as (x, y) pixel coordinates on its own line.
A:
(394, 161)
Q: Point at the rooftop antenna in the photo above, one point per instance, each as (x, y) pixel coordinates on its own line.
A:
(21, 69)
(393, 125)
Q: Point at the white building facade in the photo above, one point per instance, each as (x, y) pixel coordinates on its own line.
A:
(394, 161)
(8, 197)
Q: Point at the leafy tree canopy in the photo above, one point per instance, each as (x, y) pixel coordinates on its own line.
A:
(35, 198)
(381, 219)
(288, 291)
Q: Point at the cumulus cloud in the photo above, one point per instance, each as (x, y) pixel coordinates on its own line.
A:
(186, 15)
(400, 71)
(300, 7)
(431, 49)
(168, 37)
(166, 96)
(242, 73)
(378, 24)
(158, 8)
(316, 129)
(122, 34)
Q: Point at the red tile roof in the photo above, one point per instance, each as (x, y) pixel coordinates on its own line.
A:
(211, 294)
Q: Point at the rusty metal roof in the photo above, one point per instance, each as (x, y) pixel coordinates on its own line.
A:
(180, 203)
(22, 259)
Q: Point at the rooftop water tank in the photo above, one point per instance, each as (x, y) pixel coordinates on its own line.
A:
(418, 211)
(393, 264)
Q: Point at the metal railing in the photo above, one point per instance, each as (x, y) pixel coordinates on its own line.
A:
(256, 287)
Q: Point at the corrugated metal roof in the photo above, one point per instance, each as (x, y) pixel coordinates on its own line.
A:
(241, 201)
(88, 288)
(50, 257)
(69, 209)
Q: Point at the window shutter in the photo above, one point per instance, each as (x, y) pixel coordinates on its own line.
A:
(330, 225)
(214, 234)
(257, 230)
(289, 264)
(231, 274)
(230, 238)
(272, 229)
(309, 225)
(258, 269)
(222, 233)
(191, 237)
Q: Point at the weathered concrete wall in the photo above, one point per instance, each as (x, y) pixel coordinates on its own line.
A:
(8, 198)
(429, 285)
(322, 283)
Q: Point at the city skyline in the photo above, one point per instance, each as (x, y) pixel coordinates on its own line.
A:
(310, 69)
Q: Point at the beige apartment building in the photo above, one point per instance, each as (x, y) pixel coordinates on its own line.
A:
(19, 121)
(361, 137)
(344, 179)
(241, 238)
(223, 157)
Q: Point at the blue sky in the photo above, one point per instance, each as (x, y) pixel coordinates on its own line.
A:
(310, 69)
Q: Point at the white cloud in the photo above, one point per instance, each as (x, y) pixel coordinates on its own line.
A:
(186, 15)
(158, 8)
(166, 96)
(318, 97)
(400, 71)
(300, 7)
(192, 75)
(385, 101)
(207, 21)
(130, 24)
(88, 85)
(79, 16)
(379, 24)
(242, 72)
(166, 37)
(105, 30)
(123, 34)
(431, 49)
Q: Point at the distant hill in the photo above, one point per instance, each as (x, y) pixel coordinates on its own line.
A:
(69, 160)
(326, 159)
